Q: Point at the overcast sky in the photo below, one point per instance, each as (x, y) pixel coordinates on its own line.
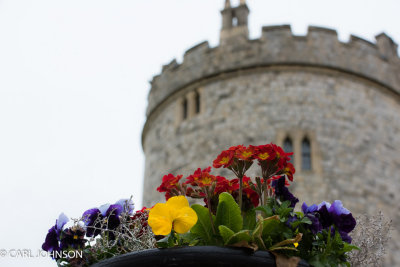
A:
(73, 92)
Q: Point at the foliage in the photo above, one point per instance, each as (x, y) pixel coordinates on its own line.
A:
(259, 213)
(253, 213)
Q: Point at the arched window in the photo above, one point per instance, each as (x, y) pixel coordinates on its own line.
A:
(197, 102)
(306, 154)
(288, 147)
(235, 21)
(184, 109)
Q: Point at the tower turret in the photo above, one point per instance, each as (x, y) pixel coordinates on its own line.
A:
(234, 22)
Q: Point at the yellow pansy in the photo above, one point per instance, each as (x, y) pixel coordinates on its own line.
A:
(175, 214)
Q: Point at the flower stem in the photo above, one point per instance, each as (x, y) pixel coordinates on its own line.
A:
(240, 193)
(328, 243)
(209, 210)
(265, 191)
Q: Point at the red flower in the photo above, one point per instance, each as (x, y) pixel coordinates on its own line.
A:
(234, 148)
(249, 191)
(289, 171)
(201, 178)
(225, 185)
(274, 161)
(247, 181)
(237, 158)
(171, 186)
(282, 156)
(224, 159)
(245, 153)
(169, 182)
(265, 152)
(252, 196)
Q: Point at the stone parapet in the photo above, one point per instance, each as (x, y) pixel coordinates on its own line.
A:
(321, 47)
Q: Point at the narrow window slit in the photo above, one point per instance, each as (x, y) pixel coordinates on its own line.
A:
(306, 154)
(197, 102)
(184, 109)
(288, 147)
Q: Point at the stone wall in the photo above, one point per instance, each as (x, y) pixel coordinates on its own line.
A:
(354, 120)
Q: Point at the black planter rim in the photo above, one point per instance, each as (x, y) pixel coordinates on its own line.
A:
(205, 256)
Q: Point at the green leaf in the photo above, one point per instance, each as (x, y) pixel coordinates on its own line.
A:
(228, 213)
(287, 242)
(284, 210)
(266, 210)
(282, 248)
(225, 232)
(285, 204)
(166, 242)
(316, 261)
(249, 219)
(203, 227)
(347, 247)
(303, 220)
(189, 239)
(243, 235)
(269, 225)
(258, 229)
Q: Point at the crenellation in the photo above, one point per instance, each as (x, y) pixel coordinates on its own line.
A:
(362, 44)
(196, 51)
(278, 31)
(278, 46)
(323, 40)
(321, 31)
(170, 66)
(387, 47)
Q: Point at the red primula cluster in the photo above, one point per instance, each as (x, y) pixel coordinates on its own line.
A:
(228, 157)
(274, 163)
(201, 178)
(272, 159)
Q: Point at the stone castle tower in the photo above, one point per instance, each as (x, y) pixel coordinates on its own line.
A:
(335, 105)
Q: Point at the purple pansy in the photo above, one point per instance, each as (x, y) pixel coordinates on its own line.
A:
(311, 213)
(309, 209)
(282, 191)
(126, 204)
(93, 217)
(73, 237)
(92, 222)
(325, 215)
(342, 217)
(53, 237)
(345, 237)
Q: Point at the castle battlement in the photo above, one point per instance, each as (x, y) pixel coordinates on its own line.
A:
(319, 48)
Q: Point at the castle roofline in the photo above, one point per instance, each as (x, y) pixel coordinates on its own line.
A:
(277, 45)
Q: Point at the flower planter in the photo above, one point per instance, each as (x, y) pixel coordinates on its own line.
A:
(200, 256)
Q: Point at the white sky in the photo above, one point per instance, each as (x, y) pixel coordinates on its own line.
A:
(73, 91)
